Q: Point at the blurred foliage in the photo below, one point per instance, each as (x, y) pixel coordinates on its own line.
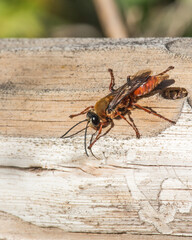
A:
(52, 18)
(21, 18)
(157, 18)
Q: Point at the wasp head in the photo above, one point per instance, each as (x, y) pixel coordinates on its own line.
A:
(93, 119)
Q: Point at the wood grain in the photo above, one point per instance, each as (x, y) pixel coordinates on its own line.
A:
(48, 187)
(42, 82)
(13, 228)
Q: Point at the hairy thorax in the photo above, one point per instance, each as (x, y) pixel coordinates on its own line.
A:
(101, 107)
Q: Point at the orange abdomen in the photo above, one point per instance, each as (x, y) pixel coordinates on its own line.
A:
(147, 87)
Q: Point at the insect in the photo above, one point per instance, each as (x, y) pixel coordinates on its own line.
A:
(118, 103)
(174, 93)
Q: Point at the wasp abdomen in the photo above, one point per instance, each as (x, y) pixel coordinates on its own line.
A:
(147, 87)
(174, 93)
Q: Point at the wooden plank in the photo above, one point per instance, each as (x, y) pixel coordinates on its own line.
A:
(135, 187)
(42, 82)
(14, 228)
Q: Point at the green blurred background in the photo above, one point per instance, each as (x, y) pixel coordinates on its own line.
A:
(80, 18)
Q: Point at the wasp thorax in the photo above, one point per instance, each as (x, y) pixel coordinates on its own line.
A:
(93, 118)
(109, 110)
(111, 113)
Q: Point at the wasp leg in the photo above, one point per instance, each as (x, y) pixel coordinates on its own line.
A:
(132, 125)
(83, 112)
(131, 119)
(109, 129)
(90, 144)
(97, 137)
(99, 133)
(168, 69)
(154, 113)
(112, 83)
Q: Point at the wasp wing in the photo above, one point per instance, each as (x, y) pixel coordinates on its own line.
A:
(135, 82)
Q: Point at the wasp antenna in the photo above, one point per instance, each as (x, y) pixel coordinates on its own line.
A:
(85, 139)
(63, 136)
(75, 133)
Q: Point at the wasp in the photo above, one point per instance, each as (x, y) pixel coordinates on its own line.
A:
(119, 102)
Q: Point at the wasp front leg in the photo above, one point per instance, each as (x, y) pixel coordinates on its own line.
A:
(97, 137)
(102, 124)
(81, 113)
(91, 143)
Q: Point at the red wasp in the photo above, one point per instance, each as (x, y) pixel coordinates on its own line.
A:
(119, 102)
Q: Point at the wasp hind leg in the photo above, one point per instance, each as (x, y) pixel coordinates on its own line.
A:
(81, 113)
(168, 69)
(152, 112)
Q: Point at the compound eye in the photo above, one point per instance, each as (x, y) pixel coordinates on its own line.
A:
(95, 120)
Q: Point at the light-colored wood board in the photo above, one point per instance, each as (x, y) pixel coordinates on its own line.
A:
(43, 81)
(138, 186)
(170, 148)
(49, 186)
(13, 228)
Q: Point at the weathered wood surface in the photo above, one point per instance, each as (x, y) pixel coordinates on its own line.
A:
(12, 227)
(137, 186)
(44, 81)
